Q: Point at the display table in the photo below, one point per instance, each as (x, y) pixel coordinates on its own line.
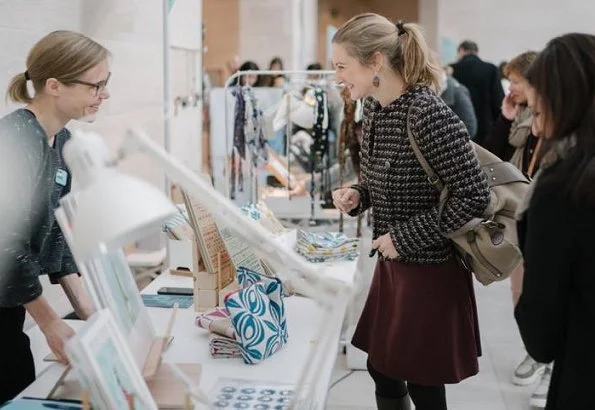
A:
(190, 344)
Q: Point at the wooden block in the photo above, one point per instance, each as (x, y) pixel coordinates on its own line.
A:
(207, 298)
(206, 281)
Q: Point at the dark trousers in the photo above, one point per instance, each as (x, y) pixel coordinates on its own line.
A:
(424, 397)
(17, 369)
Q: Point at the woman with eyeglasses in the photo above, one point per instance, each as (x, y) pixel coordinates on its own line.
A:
(68, 73)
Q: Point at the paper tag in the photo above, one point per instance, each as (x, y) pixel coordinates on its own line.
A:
(61, 177)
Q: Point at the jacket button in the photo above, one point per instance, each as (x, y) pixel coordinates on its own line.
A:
(387, 164)
(384, 196)
(398, 130)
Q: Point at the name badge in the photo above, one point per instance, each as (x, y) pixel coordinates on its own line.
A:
(61, 177)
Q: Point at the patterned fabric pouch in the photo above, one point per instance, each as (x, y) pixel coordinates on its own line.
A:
(258, 315)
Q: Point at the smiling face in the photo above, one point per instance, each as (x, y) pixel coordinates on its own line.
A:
(81, 100)
(357, 78)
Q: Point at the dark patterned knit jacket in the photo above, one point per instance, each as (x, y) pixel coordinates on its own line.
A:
(395, 185)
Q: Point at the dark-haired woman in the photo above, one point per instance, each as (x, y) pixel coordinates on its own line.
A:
(556, 310)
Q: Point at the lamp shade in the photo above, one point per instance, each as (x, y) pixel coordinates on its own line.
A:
(115, 210)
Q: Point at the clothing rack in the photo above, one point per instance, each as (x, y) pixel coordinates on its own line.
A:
(293, 77)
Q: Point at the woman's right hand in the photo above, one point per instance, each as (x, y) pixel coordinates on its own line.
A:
(509, 108)
(57, 333)
(346, 199)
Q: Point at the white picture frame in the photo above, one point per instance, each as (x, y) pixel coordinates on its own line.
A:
(111, 285)
(104, 358)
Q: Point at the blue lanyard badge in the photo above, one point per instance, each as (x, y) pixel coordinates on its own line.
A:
(61, 177)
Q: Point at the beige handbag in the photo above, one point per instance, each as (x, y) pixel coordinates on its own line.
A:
(488, 246)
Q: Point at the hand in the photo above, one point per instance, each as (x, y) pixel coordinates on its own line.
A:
(385, 246)
(299, 189)
(57, 333)
(509, 108)
(346, 199)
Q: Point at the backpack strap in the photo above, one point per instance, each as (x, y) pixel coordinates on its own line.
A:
(432, 176)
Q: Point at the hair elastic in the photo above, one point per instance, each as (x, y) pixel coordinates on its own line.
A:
(400, 28)
(26, 74)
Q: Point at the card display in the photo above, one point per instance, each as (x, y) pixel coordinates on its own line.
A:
(209, 240)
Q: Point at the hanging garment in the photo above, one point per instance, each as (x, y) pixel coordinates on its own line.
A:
(319, 151)
(238, 150)
(248, 136)
(254, 129)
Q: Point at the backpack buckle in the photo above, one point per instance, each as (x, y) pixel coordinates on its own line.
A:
(434, 180)
(490, 224)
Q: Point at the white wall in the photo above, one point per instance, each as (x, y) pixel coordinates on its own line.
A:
(505, 28)
(284, 28)
(20, 28)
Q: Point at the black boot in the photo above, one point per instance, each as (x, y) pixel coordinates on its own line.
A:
(393, 404)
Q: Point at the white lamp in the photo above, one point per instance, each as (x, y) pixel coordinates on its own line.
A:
(113, 209)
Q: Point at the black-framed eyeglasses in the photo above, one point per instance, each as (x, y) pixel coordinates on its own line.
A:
(99, 86)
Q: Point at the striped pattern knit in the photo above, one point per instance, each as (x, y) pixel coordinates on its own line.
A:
(396, 187)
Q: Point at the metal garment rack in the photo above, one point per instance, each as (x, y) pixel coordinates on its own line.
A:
(229, 117)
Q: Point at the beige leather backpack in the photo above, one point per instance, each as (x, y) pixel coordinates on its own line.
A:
(488, 246)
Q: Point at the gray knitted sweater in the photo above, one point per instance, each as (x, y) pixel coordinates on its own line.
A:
(396, 187)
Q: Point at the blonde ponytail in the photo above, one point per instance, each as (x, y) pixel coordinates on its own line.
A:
(63, 55)
(17, 90)
(418, 63)
(403, 44)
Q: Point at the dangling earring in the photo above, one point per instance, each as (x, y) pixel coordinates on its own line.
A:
(376, 80)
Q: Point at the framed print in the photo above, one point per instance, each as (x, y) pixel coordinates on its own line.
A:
(107, 360)
(111, 285)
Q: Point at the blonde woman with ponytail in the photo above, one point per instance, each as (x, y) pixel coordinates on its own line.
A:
(419, 325)
(67, 74)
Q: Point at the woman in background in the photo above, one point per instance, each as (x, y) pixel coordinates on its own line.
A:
(274, 80)
(556, 310)
(512, 140)
(252, 80)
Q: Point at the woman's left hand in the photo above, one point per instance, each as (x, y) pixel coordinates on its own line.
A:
(385, 246)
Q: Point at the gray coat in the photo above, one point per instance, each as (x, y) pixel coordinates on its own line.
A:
(457, 97)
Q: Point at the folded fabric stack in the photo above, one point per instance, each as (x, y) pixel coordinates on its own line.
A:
(321, 247)
(222, 347)
(223, 343)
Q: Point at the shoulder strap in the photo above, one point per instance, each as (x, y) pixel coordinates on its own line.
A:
(432, 176)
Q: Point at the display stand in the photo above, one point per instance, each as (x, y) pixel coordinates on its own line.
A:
(167, 391)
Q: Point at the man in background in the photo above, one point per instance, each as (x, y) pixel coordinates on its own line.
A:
(483, 82)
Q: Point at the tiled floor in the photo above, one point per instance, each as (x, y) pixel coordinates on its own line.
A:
(491, 389)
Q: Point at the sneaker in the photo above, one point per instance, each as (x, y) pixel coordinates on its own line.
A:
(539, 396)
(527, 372)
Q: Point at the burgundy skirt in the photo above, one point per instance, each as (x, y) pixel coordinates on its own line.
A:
(420, 324)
